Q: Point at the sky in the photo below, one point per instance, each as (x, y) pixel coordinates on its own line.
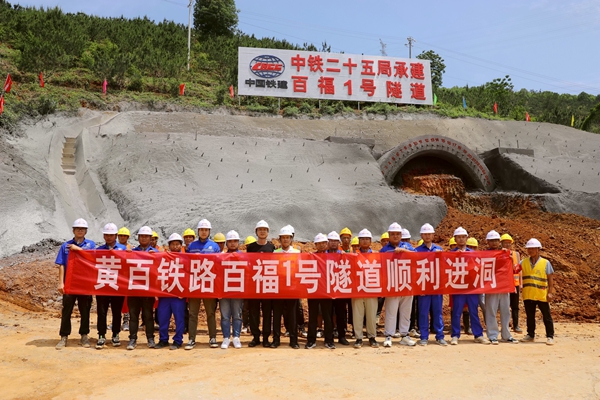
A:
(543, 45)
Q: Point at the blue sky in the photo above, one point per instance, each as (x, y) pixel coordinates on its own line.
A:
(542, 44)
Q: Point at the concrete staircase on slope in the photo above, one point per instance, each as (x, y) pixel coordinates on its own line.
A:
(68, 155)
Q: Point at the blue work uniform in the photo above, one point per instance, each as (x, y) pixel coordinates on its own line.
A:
(84, 302)
(431, 302)
(458, 303)
(389, 248)
(204, 247)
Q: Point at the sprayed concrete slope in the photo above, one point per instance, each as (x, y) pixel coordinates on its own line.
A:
(126, 171)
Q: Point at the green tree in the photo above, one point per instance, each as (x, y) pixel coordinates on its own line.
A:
(215, 17)
(437, 67)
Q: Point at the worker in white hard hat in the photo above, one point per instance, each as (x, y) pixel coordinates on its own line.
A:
(430, 304)
(115, 303)
(79, 242)
(364, 308)
(144, 304)
(414, 312)
(538, 290)
(231, 309)
(397, 306)
(495, 301)
(320, 306)
(203, 246)
(299, 309)
(471, 300)
(340, 306)
(171, 306)
(289, 306)
(262, 245)
(507, 243)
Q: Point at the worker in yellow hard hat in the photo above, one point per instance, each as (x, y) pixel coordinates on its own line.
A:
(249, 240)
(507, 243)
(154, 241)
(472, 243)
(220, 240)
(354, 243)
(452, 243)
(123, 237)
(346, 239)
(385, 238)
(188, 237)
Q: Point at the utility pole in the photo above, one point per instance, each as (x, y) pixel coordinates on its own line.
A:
(411, 40)
(189, 32)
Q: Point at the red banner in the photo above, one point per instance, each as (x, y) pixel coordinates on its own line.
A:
(268, 275)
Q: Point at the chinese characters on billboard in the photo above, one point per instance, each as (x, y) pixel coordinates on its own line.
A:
(333, 76)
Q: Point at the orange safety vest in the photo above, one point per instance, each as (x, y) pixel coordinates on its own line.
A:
(516, 258)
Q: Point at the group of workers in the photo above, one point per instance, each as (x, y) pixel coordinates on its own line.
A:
(406, 317)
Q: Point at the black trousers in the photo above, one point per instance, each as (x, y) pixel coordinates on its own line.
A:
(145, 305)
(341, 316)
(514, 306)
(116, 305)
(83, 304)
(326, 308)
(289, 306)
(414, 316)
(254, 308)
(530, 306)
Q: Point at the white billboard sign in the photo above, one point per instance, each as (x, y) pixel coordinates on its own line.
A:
(333, 76)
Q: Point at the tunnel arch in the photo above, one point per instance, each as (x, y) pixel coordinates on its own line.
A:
(441, 147)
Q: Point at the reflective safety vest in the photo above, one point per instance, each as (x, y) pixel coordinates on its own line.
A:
(535, 280)
(515, 259)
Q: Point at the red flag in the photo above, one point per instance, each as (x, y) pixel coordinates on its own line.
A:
(527, 116)
(104, 85)
(42, 79)
(182, 89)
(8, 84)
(495, 108)
(231, 93)
(1, 104)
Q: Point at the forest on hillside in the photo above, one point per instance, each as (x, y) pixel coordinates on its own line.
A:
(79, 51)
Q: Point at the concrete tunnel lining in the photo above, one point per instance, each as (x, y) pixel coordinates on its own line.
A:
(443, 147)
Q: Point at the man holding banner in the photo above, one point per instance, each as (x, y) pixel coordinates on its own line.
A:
(79, 242)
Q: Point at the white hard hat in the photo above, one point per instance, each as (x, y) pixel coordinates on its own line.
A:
(405, 234)
(80, 223)
(460, 231)
(365, 233)
(261, 224)
(232, 235)
(286, 231)
(333, 235)
(492, 235)
(533, 244)
(174, 237)
(145, 230)
(395, 227)
(427, 228)
(291, 229)
(110, 229)
(204, 223)
(320, 238)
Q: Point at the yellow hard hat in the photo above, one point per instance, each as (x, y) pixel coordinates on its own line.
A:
(452, 241)
(189, 232)
(124, 231)
(154, 234)
(219, 238)
(385, 235)
(420, 242)
(506, 236)
(345, 231)
(354, 241)
(472, 242)
(249, 240)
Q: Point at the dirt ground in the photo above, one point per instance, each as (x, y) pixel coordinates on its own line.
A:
(30, 367)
